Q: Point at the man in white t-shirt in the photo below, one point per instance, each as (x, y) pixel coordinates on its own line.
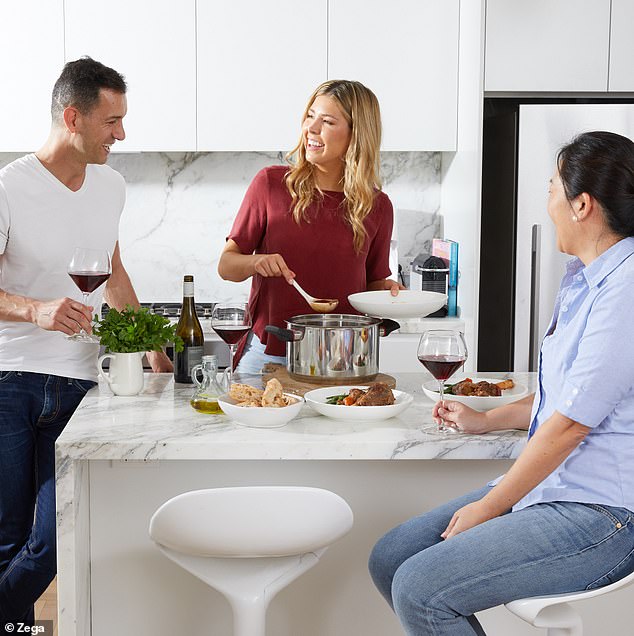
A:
(51, 202)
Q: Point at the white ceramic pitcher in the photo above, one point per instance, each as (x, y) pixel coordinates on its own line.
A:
(126, 372)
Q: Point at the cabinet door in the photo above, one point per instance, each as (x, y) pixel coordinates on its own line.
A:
(622, 46)
(32, 54)
(406, 52)
(258, 62)
(547, 45)
(152, 43)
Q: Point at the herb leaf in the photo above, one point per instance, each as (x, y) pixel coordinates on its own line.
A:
(133, 330)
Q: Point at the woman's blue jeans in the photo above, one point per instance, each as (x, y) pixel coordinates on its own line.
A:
(254, 358)
(34, 408)
(436, 586)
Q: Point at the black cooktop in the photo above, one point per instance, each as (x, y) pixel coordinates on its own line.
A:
(171, 310)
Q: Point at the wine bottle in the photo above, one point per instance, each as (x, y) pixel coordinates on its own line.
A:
(191, 332)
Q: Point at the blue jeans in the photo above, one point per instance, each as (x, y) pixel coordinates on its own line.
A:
(34, 408)
(436, 586)
(254, 358)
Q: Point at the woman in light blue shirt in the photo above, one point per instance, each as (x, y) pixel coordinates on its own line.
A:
(561, 519)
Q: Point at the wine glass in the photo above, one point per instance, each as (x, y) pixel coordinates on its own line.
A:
(231, 321)
(89, 269)
(442, 352)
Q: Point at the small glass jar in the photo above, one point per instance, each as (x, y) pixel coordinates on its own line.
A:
(205, 397)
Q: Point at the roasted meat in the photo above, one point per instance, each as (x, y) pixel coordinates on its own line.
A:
(478, 389)
(353, 396)
(378, 394)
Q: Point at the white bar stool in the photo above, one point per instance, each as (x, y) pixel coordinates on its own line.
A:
(554, 612)
(250, 542)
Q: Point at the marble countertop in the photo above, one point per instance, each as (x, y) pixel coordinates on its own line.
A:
(160, 424)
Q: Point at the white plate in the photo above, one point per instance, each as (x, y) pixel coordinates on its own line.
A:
(260, 417)
(316, 399)
(478, 403)
(408, 304)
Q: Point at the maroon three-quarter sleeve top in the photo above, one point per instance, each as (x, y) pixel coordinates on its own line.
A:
(319, 250)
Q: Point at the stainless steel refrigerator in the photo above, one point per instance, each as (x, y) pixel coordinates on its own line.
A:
(521, 267)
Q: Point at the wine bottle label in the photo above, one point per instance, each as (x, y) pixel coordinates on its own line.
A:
(185, 361)
(194, 356)
(188, 289)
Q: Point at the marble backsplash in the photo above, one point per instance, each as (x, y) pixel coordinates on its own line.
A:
(180, 207)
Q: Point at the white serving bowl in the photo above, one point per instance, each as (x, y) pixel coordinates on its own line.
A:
(260, 417)
(478, 403)
(408, 304)
(316, 399)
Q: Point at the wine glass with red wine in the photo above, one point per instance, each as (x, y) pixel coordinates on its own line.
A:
(89, 269)
(231, 321)
(442, 352)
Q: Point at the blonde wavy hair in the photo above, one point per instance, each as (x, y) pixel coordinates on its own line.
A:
(361, 181)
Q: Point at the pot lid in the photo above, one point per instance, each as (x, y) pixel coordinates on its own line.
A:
(330, 321)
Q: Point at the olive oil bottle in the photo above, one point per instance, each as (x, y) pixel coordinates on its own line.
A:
(208, 390)
(191, 332)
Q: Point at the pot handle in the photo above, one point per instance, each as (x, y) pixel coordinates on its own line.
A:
(387, 326)
(285, 335)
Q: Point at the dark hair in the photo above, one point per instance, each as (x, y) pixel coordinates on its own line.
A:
(601, 164)
(80, 83)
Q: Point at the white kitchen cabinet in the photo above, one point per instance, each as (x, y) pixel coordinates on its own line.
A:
(406, 52)
(32, 54)
(621, 46)
(153, 44)
(548, 45)
(258, 62)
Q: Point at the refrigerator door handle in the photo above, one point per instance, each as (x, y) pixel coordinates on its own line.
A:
(533, 345)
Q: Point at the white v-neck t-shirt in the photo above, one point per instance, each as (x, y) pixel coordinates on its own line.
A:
(41, 224)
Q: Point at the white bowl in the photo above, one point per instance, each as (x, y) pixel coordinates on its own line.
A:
(408, 304)
(316, 399)
(260, 417)
(478, 403)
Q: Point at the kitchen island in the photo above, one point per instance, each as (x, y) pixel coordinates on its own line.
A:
(120, 458)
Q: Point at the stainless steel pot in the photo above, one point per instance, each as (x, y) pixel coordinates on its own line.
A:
(327, 347)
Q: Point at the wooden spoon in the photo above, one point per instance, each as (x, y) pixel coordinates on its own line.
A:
(320, 305)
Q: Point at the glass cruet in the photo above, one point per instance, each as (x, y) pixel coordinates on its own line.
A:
(205, 397)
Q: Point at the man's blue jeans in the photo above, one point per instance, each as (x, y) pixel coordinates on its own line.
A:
(34, 408)
(436, 586)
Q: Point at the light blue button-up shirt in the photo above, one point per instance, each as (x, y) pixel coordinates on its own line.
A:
(586, 372)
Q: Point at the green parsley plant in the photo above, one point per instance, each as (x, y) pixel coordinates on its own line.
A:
(133, 330)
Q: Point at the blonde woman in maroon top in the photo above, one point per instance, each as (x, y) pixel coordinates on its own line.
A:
(323, 220)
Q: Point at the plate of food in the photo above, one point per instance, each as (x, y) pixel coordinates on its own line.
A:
(257, 408)
(359, 403)
(408, 304)
(478, 392)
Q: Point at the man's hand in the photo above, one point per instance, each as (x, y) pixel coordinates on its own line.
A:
(459, 416)
(62, 314)
(159, 362)
(271, 265)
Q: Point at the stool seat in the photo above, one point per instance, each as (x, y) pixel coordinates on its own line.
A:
(250, 542)
(553, 611)
(251, 522)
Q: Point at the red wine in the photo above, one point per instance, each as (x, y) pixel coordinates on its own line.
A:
(89, 281)
(442, 367)
(231, 334)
